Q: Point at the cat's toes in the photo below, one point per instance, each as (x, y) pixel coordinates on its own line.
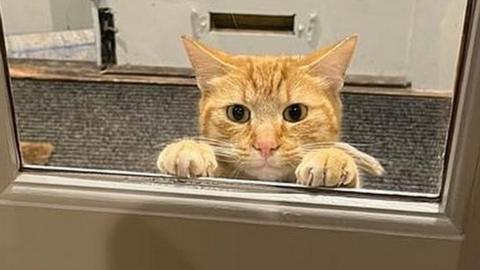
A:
(187, 158)
(329, 168)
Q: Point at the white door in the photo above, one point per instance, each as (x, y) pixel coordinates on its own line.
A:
(58, 220)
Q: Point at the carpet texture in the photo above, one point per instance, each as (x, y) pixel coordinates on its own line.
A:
(123, 127)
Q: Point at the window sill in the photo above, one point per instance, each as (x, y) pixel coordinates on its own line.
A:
(122, 194)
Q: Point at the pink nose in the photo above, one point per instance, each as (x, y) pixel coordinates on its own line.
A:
(266, 148)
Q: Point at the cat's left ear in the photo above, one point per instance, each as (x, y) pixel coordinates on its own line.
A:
(332, 62)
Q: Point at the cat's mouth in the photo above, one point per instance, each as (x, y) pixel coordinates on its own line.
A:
(264, 163)
(264, 166)
(263, 170)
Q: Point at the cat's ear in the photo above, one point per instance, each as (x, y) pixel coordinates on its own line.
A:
(207, 62)
(332, 62)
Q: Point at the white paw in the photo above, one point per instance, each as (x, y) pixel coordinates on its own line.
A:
(187, 158)
(327, 167)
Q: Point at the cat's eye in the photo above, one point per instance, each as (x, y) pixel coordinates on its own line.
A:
(295, 112)
(238, 113)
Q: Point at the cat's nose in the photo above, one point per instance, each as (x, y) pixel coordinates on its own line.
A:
(266, 148)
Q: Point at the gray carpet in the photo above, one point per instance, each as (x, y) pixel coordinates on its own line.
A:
(122, 127)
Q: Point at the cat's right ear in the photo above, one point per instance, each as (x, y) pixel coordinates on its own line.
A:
(207, 62)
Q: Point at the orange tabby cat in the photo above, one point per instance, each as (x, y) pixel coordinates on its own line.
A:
(268, 118)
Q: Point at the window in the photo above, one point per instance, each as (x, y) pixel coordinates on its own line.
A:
(97, 90)
(102, 203)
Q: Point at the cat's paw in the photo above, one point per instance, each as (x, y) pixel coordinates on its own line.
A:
(327, 167)
(187, 158)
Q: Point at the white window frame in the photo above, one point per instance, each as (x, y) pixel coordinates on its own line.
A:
(448, 219)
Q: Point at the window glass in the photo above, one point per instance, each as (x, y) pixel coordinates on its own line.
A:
(109, 85)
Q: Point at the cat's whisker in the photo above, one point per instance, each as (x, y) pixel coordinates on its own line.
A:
(290, 163)
(327, 144)
(363, 160)
(369, 144)
(223, 147)
(294, 155)
(238, 167)
(318, 144)
(226, 160)
(211, 140)
(161, 145)
(227, 154)
(224, 151)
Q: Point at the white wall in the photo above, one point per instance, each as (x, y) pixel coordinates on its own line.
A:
(71, 14)
(26, 16)
(418, 39)
(31, 16)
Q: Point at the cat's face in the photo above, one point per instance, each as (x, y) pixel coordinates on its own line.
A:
(269, 110)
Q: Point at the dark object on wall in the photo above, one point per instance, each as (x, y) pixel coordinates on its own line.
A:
(252, 22)
(107, 35)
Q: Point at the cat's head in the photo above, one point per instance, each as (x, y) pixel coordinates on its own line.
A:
(270, 109)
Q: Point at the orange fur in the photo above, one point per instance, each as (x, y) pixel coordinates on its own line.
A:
(36, 153)
(267, 85)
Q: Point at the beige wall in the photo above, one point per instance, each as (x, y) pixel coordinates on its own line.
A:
(49, 239)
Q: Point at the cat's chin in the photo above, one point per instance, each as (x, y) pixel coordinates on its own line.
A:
(267, 172)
